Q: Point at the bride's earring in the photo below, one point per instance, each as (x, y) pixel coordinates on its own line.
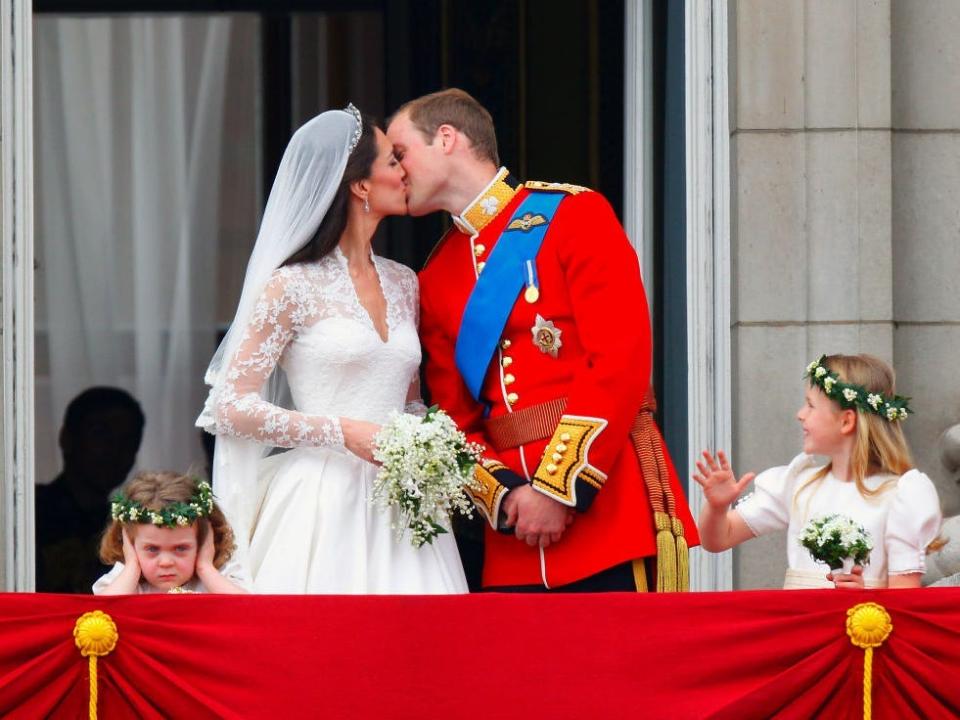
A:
(366, 204)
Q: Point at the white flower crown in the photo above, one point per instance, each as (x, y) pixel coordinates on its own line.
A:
(856, 397)
(178, 514)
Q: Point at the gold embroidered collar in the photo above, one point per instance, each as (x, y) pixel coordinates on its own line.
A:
(487, 205)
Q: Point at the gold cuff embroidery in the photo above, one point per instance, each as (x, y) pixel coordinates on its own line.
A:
(571, 441)
(487, 493)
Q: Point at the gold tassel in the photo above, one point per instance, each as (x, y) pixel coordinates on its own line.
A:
(666, 554)
(640, 575)
(95, 635)
(683, 557)
(868, 625)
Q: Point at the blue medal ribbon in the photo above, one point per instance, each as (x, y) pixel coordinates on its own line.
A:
(510, 267)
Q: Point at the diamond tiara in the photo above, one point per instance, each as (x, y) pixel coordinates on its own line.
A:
(358, 132)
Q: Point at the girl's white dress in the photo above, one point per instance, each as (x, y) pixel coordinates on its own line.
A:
(231, 569)
(902, 520)
(316, 531)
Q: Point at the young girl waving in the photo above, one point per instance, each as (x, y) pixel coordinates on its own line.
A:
(852, 417)
(168, 535)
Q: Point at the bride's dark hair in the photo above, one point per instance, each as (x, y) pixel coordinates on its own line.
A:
(359, 165)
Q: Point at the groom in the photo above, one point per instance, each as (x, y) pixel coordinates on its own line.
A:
(536, 329)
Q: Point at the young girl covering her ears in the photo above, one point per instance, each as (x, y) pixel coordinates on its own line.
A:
(852, 417)
(168, 535)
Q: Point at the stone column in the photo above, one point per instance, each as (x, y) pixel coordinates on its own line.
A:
(926, 224)
(811, 212)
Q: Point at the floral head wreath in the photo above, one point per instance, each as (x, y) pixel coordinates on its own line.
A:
(856, 397)
(358, 132)
(178, 514)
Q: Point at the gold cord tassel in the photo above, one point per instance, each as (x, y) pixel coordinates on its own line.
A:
(666, 554)
(95, 635)
(868, 625)
(683, 556)
(640, 575)
(673, 552)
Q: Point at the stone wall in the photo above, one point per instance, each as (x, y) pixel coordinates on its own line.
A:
(3, 479)
(846, 169)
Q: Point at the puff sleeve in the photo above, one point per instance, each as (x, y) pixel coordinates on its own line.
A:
(912, 524)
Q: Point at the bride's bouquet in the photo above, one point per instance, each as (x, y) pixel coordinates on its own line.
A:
(426, 464)
(837, 541)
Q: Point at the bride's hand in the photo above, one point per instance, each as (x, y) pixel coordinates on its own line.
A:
(358, 437)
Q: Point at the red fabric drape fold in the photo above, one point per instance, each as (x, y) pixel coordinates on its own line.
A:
(761, 654)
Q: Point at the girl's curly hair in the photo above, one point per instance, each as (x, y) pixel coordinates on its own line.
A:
(156, 490)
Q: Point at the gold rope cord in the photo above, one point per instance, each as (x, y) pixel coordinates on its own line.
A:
(673, 571)
(868, 625)
(95, 635)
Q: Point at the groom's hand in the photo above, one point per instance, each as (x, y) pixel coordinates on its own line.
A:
(538, 519)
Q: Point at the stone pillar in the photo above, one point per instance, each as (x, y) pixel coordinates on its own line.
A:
(3, 480)
(811, 244)
(926, 224)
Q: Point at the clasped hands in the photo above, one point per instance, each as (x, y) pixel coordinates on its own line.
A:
(537, 519)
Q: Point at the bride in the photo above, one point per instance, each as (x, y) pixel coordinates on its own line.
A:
(341, 323)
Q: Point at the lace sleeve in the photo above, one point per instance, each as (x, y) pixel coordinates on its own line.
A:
(411, 291)
(285, 305)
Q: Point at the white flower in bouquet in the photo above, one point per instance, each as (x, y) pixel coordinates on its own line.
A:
(426, 465)
(835, 538)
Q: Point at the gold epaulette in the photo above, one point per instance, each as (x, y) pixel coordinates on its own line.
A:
(555, 187)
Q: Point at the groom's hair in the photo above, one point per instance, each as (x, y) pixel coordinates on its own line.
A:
(459, 109)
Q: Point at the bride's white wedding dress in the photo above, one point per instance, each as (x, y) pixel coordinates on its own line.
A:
(316, 531)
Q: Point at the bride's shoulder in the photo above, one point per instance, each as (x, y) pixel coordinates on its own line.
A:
(291, 281)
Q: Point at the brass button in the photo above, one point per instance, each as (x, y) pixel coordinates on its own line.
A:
(509, 379)
(552, 469)
(561, 448)
(565, 437)
(481, 266)
(512, 398)
(505, 344)
(556, 457)
(507, 361)
(479, 249)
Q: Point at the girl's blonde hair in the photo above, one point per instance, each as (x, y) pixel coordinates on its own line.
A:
(156, 490)
(879, 446)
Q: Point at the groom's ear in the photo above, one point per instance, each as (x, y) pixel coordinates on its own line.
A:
(447, 136)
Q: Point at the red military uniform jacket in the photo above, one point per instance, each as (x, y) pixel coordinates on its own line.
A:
(585, 339)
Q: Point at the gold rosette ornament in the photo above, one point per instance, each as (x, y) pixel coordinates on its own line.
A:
(868, 625)
(95, 635)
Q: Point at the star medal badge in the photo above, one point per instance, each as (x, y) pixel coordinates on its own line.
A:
(546, 336)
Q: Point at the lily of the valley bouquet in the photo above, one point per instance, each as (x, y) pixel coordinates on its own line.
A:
(426, 465)
(837, 541)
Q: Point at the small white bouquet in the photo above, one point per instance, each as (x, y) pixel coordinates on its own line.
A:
(837, 541)
(426, 464)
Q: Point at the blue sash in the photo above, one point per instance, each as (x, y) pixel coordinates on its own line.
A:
(504, 275)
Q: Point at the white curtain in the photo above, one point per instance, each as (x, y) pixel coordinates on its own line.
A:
(129, 113)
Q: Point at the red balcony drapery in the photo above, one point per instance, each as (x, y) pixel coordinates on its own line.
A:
(759, 654)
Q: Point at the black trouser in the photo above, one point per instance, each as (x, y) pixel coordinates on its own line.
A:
(619, 578)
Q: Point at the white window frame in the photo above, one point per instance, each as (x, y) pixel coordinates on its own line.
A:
(16, 229)
(708, 226)
(708, 257)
